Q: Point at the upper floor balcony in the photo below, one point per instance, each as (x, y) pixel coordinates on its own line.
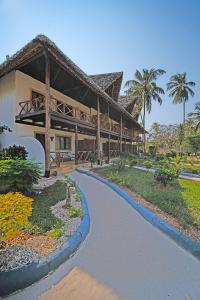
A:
(67, 111)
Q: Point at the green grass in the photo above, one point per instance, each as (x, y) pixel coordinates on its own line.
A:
(182, 201)
(42, 215)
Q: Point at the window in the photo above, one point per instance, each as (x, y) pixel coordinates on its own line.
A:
(64, 143)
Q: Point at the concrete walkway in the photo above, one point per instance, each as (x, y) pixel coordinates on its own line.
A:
(126, 253)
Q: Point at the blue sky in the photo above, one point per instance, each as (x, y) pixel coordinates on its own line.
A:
(106, 36)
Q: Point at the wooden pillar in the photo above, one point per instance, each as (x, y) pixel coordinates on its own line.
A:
(47, 115)
(76, 145)
(98, 132)
(125, 145)
(121, 132)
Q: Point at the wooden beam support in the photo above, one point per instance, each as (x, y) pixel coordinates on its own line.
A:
(98, 139)
(121, 132)
(109, 134)
(76, 145)
(47, 115)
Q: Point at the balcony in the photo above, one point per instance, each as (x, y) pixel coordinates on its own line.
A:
(61, 109)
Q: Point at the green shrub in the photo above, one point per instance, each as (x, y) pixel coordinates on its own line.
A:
(74, 212)
(148, 164)
(32, 229)
(18, 175)
(159, 157)
(166, 175)
(56, 231)
(133, 162)
(119, 164)
(15, 152)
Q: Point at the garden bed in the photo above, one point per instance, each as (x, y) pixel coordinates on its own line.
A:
(179, 205)
(50, 225)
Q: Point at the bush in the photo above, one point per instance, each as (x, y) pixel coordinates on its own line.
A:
(15, 209)
(74, 212)
(18, 175)
(171, 154)
(148, 164)
(166, 175)
(119, 164)
(56, 231)
(15, 152)
(133, 162)
(159, 157)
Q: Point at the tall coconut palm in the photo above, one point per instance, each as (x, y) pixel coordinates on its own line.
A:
(196, 115)
(144, 87)
(180, 89)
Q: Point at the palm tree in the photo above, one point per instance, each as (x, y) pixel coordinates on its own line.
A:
(180, 89)
(196, 115)
(145, 89)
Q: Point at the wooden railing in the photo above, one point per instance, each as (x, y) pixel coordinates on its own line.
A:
(59, 157)
(114, 153)
(30, 106)
(38, 104)
(70, 111)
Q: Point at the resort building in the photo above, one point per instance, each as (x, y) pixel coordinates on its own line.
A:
(59, 113)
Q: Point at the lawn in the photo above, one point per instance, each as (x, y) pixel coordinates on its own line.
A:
(182, 201)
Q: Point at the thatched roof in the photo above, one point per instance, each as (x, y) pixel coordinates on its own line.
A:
(42, 43)
(107, 79)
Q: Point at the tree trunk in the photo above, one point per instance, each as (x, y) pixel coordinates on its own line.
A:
(183, 111)
(144, 135)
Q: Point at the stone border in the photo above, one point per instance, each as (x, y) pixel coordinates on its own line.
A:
(185, 242)
(21, 278)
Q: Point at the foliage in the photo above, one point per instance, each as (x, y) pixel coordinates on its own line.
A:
(194, 142)
(74, 212)
(78, 196)
(18, 175)
(171, 154)
(15, 152)
(145, 89)
(159, 157)
(180, 89)
(133, 162)
(119, 164)
(15, 209)
(166, 175)
(42, 215)
(148, 164)
(32, 229)
(56, 231)
(196, 115)
(168, 200)
(4, 128)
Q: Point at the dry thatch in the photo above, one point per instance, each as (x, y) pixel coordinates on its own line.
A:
(42, 43)
(104, 81)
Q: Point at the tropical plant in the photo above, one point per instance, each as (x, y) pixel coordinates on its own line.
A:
(165, 175)
(18, 175)
(15, 152)
(145, 89)
(180, 89)
(196, 115)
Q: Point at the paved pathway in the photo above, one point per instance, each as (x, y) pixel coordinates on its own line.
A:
(126, 253)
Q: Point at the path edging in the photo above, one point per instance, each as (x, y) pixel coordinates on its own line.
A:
(21, 278)
(187, 243)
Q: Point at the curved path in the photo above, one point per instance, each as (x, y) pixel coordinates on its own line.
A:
(126, 253)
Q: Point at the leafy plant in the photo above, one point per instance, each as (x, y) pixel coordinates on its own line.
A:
(56, 231)
(119, 164)
(15, 152)
(32, 229)
(15, 209)
(74, 212)
(18, 175)
(4, 128)
(133, 162)
(148, 164)
(166, 175)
